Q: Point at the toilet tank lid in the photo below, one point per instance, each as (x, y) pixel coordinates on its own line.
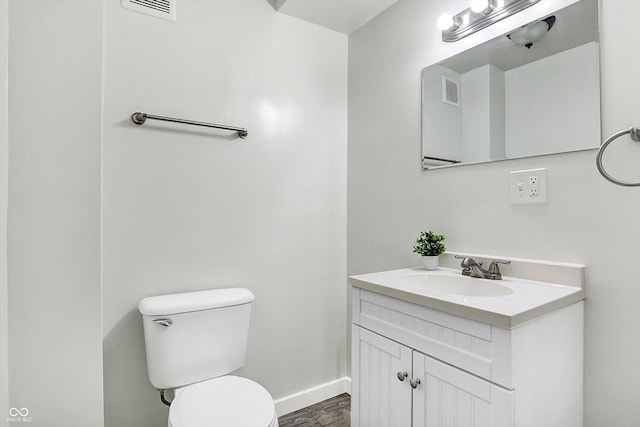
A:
(194, 301)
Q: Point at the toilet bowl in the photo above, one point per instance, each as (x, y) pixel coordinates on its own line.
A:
(227, 401)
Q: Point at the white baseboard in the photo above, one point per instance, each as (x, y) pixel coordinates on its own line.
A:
(313, 395)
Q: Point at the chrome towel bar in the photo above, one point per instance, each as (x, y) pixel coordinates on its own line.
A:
(634, 133)
(425, 161)
(139, 118)
(440, 159)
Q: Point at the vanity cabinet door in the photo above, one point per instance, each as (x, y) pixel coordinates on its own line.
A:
(379, 397)
(451, 397)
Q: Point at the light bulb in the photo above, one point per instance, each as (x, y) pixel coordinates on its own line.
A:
(445, 21)
(481, 6)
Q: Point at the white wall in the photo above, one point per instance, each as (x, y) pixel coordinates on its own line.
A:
(55, 347)
(497, 143)
(475, 117)
(552, 86)
(186, 208)
(4, 184)
(483, 114)
(586, 219)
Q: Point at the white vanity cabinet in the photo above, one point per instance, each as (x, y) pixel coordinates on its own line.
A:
(444, 396)
(462, 372)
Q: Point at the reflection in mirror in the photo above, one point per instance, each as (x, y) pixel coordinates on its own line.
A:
(531, 92)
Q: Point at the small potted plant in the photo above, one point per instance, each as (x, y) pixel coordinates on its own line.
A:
(429, 245)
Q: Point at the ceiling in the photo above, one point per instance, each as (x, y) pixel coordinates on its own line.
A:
(345, 16)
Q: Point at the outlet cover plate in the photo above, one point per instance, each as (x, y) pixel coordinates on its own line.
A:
(528, 186)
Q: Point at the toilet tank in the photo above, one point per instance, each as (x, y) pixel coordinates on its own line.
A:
(195, 336)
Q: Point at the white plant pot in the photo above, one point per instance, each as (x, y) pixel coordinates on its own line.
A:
(430, 262)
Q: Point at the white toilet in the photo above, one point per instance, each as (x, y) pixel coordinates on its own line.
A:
(194, 340)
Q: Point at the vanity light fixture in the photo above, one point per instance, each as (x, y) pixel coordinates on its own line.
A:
(479, 15)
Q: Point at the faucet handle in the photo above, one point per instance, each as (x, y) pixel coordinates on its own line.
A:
(494, 270)
(467, 261)
(471, 267)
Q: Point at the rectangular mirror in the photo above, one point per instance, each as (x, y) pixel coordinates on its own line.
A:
(516, 96)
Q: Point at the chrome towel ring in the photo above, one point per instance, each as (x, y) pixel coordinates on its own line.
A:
(635, 135)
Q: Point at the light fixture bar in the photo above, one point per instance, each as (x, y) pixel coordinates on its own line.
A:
(472, 21)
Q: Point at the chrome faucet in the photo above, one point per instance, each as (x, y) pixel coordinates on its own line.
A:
(473, 268)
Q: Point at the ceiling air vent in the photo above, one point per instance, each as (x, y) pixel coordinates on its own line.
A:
(165, 9)
(450, 92)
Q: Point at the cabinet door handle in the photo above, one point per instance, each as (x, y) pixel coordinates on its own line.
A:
(414, 382)
(402, 375)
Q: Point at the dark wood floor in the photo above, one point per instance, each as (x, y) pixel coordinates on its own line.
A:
(334, 412)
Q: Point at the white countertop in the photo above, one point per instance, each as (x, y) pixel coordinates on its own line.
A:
(529, 298)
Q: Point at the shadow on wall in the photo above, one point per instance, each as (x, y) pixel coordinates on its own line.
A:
(129, 397)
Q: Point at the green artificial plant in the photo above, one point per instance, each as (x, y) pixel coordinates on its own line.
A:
(429, 244)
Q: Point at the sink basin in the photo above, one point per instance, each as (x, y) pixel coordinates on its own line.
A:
(457, 285)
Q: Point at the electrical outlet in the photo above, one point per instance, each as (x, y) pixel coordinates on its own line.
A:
(534, 189)
(528, 186)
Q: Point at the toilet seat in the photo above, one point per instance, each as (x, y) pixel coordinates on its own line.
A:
(227, 401)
